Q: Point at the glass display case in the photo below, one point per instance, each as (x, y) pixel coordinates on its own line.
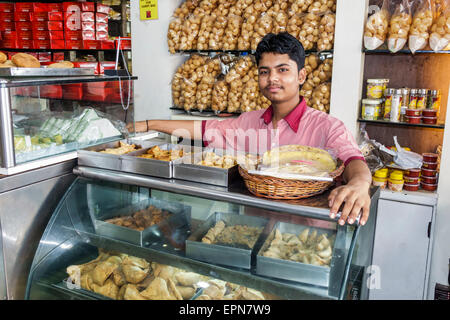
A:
(44, 120)
(96, 245)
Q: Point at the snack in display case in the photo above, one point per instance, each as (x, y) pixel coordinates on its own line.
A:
(164, 155)
(122, 149)
(227, 239)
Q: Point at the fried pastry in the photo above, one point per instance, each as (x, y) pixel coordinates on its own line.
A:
(7, 64)
(135, 261)
(62, 64)
(186, 292)
(3, 57)
(188, 279)
(108, 289)
(119, 277)
(173, 290)
(123, 148)
(25, 60)
(132, 293)
(102, 271)
(251, 294)
(86, 281)
(157, 290)
(134, 274)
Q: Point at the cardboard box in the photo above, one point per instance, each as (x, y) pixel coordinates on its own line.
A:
(125, 43)
(88, 35)
(44, 57)
(58, 56)
(41, 44)
(7, 26)
(38, 16)
(101, 27)
(97, 94)
(87, 17)
(102, 8)
(40, 7)
(57, 44)
(41, 35)
(40, 26)
(55, 7)
(23, 7)
(74, 44)
(71, 7)
(7, 16)
(85, 64)
(9, 44)
(55, 16)
(88, 6)
(72, 91)
(9, 35)
(55, 25)
(22, 16)
(56, 35)
(6, 7)
(25, 44)
(73, 22)
(24, 35)
(101, 35)
(91, 45)
(73, 35)
(88, 25)
(51, 91)
(23, 26)
(107, 44)
(101, 18)
(106, 65)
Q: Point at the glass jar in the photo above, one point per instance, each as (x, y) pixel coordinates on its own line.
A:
(433, 100)
(375, 88)
(405, 104)
(421, 99)
(396, 181)
(413, 99)
(396, 106)
(371, 109)
(387, 103)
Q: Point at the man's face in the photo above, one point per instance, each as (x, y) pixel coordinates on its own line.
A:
(279, 78)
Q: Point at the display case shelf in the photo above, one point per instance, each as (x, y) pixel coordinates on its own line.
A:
(404, 124)
(404, 51)
(207, 113)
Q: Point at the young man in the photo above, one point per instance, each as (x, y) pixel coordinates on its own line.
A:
(280, 59)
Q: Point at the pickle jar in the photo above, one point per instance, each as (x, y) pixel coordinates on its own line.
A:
(396, 181)
(413, 99)
(421, 99)
(387, 103)
(375, 88)
(433, 100)
(371, 109)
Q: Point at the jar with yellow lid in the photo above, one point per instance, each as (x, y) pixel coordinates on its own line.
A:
(380, 178)
(396, 181)
(375, 88)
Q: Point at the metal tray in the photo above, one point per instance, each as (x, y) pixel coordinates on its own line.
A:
(223, 254)
(151, 167)
(187, 169)
(45, 72)
(174, 226)
(298, 271)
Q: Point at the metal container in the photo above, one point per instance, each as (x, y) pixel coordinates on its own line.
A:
(178, 223)
(222, 254)
(45, 72)
(298, 271)
(187, 169)
(150, 167)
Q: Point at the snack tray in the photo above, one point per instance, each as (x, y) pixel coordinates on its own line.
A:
(178, 223)
(322, 276)
(45, 72)
(223, 254)
(92, 157)
(187, 169)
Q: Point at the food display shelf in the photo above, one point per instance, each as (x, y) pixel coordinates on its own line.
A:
(405, 124)
(404, 51)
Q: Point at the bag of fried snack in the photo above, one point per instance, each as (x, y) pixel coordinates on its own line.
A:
(440, 30)
(377, 27)
(399, 26)
(421, 24)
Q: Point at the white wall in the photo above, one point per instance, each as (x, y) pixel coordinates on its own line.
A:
(152, 63)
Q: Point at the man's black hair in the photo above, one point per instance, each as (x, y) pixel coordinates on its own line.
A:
(282, 43)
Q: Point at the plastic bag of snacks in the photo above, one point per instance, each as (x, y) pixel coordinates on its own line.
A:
(298, 7)
(321, 97)
(326, 32)
(440, 30)
(174, 34)
(309, 33)
(206, 85)
(377, 27)
(220, 96)
(264, 25)
(321, 6)
(218, 31)
(196, 70)
(232, 32)
(294, 25)
(421, 24)
(399, 26)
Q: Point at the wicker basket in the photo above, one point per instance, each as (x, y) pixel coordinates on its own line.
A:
(286, 189)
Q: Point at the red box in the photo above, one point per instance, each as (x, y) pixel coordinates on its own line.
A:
(7, 16)
(106, 65)
(40, 7)
(7, 26)
(101, 27)
(56, 35)
(9, 44)
(73, 44)
(38, 16)
(25, 44)
(72, 23)
(102, 8)
(55, 16)
(90, 44)
(24, 35)
(101, 17)
(88, 35)
(22, 16)
(107, 44)
(9, 35)
(55, 7)
(98, 94)
(40, 26)
(58, 56)
(88, 6)
(44, 56)
(6, 7)
(73, 35)
(55, 25)
(101, 35)
(23, 26)
(88, 25)
(72, 91)
(51, 91)
(91, 65)
(87, 17)
(41, 44)
(71, 7)
(57, 44)
(24, 6)
(41, 35)
(125, 43)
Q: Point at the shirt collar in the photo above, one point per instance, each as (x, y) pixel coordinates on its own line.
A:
(293, 118)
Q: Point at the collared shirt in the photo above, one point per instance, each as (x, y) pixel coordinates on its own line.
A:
(253, 132)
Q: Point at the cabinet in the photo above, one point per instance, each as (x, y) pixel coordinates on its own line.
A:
(71, 238)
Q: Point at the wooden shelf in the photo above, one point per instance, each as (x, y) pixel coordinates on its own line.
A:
(404, 124)
(404, 51)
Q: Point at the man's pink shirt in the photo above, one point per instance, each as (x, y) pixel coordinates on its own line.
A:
(253, 132)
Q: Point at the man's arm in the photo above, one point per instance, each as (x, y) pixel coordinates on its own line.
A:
(355, 193)
(189, 129)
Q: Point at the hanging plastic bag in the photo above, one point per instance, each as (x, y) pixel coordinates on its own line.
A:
(421, 24)
(377, 27)
(440, 30)
(404, 159)
(399, 26)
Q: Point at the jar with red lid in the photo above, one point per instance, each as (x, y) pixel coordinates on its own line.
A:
(428, 172)
(430, 157)
(429, 120)
(429, 113)
(411, 180)
(429, 165)
(428, 187)
(429, 180)
(413, 113)
(411, 187)
(413, 173)
(414, 120)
